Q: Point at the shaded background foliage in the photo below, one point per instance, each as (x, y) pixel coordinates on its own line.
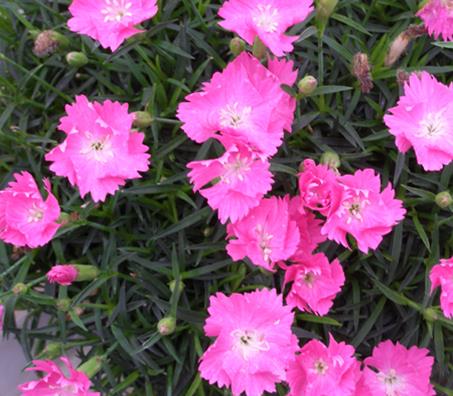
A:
(156, 230)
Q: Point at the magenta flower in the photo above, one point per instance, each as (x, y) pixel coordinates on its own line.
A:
(321, 370)
(442, 275)
(67, 382)
(100, 150)
(438, 18)
(266, 235)
(399, 371)
(64, 275)
(319, 188)
(254, 344)
(110, 21)
(365, 212)
(240, 180)
(266, 19)
(26, 219)
(315, 283)
(242, 105)
(423, 119)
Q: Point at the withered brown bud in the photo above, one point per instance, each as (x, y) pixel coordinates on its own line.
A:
(402, 76)
(400, 44)
(47, 42)
(362, 71)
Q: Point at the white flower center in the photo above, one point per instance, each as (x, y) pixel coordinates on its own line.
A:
(35, 214)
(264, 241)
(99, 150)
(233, 116)
(235, 170)
(321, 367)
(116, 10)
(353, 208)
(433, 126)
(392, 383)
(266, 18)
(249, 342)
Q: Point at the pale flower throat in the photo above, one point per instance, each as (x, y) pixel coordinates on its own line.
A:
(116, 10)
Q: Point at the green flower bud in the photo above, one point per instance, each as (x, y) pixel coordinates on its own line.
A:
(76, 59)
(237, 45)
(20, 288)
(307, 85)
(430, 315)
(259, 49)
(208, 231)
(172, 285)
(325, 8)
(142, 119)
(52, 351)
(443, 199)
(331, 159)
(167, 325)
(86, 272)
(92, 366)
(63, 304)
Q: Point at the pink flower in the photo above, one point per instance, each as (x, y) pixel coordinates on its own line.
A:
(266, 235)
(254, 343)
(266, 19)
(26, 219)
(100, 151)
(321, 370)
(315, 283)
(64, 275)
(241, 179)
(242, 105)
(309, 228)
(442, 275)
(110, 21)
(56, 382)
(365, 212)
(400, 371)
(319, 188)
(423, 119)
(2, 314)
(438, 18)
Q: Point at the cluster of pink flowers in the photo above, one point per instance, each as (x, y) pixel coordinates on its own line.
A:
(254, 349)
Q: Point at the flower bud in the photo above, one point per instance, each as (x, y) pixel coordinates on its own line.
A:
(142, 119)
(443, 199)
(399, 45)
(64, 275)
(172, 285)
(259, 49)
(208, 231)
(92, 366)
(63, 304)
(324, 9)
(307, 85)
(52, 351)
(331, 159)
(47, 42)
(166, 326)
(361, 69)
(430, 315)
(237, 45)
(20, 288)
(86, 272)
(76, 59)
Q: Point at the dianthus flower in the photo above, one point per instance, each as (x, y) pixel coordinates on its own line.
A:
(110, 21)
(438, 18)
(365, 212)
(399, 371)
(423, 119)
(64, 275)
(442, 275)
(321, 370)
(56, 382)
(244, 104)
(319, 188)
(254, 344)
(266, 235)
(266, 19)
(315, 283)
(26, 219)
(100, 150)
(240, 180)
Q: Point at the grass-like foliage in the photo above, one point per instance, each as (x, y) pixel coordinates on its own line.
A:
(159, 247)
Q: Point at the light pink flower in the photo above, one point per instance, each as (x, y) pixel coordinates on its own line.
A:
(266, 235)
(315, 283)
(400, 371)
(266, 19)
(110, 21)
(2, 314)
(365, 212)
(423, 119)
(64, 275)
(57, 381)
(254, 343)
(442, 275)
(321, 370)
(100, 150)
(242, 105)
(438, 18)
(319, 188)
(309, 228)
(240, 180)
(26, 219)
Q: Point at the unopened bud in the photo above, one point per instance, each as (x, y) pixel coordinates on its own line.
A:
(208, 231)
(307, 85)
(331, 159)
(142, 119)
(76, 59)
(92, 366)
(361, 69)
(63, 304)
(166, 326)
(430, 315)
(47, 42)
(443, 199)
(86, 272)
(20, 288)
(172, 285)
(325, 8)
(237, 45)
(259, 49)
(52, 351)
